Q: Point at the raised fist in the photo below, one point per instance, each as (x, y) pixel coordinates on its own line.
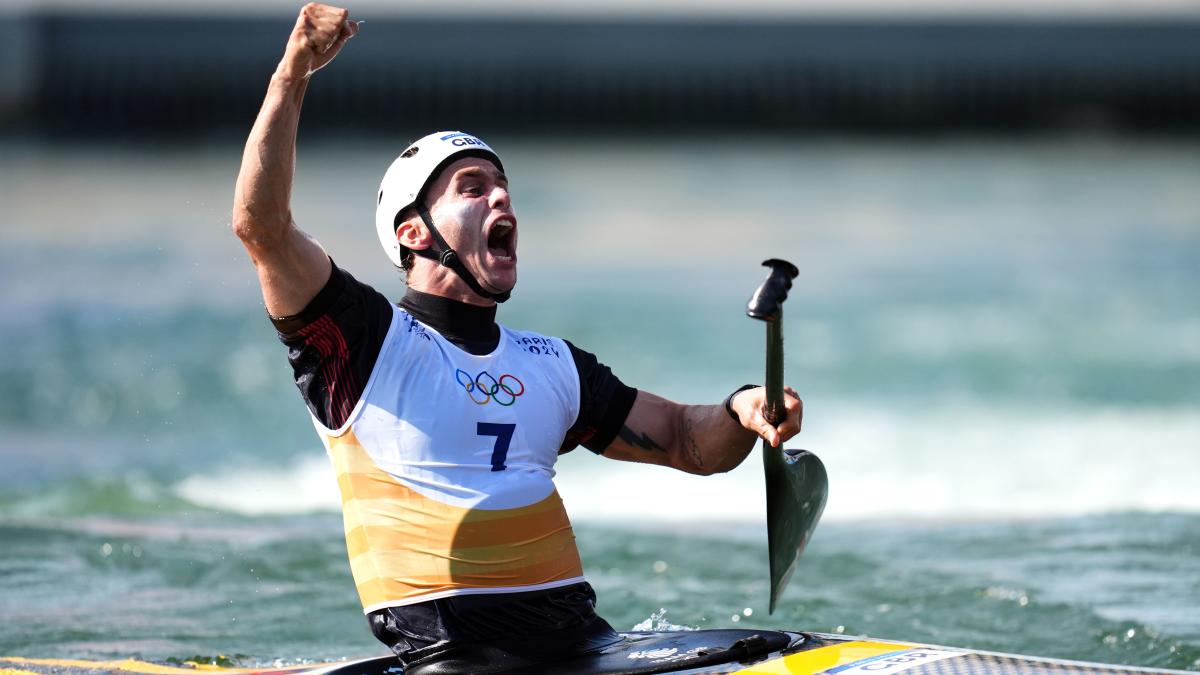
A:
(318, 36)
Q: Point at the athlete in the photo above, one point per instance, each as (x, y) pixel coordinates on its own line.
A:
(442, 425)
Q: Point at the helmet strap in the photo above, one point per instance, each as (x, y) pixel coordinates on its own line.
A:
(447, 257)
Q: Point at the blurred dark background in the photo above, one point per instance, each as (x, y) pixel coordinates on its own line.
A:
(76, 69)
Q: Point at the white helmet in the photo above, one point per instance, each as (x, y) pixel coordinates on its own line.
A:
(408, 176)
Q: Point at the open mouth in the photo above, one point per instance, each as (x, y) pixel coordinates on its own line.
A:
(501, 240)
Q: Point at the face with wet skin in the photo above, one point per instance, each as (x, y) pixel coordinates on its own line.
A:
(471, 207)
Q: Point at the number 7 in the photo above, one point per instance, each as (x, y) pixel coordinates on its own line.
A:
(503, 434)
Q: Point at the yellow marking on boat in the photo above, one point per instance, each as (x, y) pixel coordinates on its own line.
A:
(125, 665)
(135, 666)
(206, 666)
(10, 671)
(818, 660)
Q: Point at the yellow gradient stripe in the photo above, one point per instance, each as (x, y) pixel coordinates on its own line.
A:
(381, 521)
(819, 660)
(402, 544)
(403, 565)
(391, 551)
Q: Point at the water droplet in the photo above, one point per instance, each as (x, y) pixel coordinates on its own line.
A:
(1023, 600)
(106, 549)
(748, 611)
(735, 618)
(1110, 639)
(1130, 633)
(840, 629)
(137, 551)
(660, 566)
(884, 608)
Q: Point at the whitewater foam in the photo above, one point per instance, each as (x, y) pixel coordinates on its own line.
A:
(305, 486)
(954, 463)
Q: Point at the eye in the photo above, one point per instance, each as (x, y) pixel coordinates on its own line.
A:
(474, 190)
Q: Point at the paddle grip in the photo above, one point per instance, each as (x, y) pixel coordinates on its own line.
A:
(767, 302)
(767, 305)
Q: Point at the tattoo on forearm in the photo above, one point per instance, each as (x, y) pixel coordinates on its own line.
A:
(689, 442)
(639, 440)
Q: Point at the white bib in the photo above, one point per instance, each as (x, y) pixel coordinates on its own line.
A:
(446, 468)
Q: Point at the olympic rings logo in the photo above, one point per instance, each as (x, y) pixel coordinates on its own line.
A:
(484, 387)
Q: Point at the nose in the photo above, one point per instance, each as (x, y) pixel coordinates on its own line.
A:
(499, 198)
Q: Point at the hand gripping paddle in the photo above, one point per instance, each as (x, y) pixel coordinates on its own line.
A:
(796, 481)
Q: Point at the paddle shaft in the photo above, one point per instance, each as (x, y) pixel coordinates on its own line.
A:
(775, 412)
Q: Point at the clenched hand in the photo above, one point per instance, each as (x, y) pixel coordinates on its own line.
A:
(317, 37)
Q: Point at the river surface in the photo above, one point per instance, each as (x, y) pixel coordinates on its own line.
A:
(997, 341)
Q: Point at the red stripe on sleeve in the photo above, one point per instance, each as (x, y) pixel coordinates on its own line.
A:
(325, 336)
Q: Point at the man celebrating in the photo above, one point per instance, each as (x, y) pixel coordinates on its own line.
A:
(442, 425)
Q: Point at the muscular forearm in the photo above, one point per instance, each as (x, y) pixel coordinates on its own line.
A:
(701, 439)
(709, 441)
(292, 267)
(262, 215)
(262, 198)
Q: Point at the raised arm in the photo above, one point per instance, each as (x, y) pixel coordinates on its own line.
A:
(701, 439)
(292, 267)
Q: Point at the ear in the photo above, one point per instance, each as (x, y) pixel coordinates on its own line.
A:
(413, 234)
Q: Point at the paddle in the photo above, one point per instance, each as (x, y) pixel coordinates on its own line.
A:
(796, 481)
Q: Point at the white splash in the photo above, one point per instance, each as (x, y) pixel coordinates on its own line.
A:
(954, 463)
(305, 486)
(951, 463)
(656, 623)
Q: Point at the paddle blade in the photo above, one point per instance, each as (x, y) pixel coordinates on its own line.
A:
(796, 490)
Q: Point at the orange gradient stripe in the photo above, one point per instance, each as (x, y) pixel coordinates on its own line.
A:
(404, 545)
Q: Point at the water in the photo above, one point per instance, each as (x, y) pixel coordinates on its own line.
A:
(998, 343)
